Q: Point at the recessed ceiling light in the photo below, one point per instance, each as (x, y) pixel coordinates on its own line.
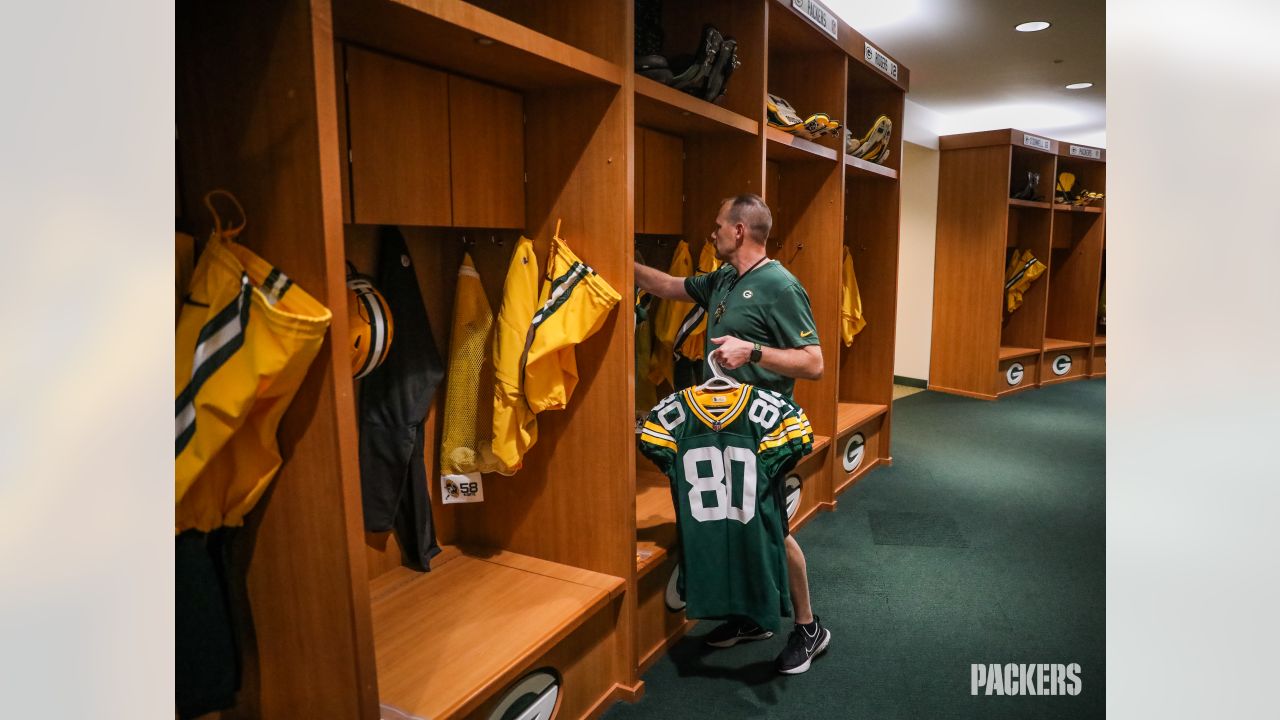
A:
(1033, 26)
(1079, 86)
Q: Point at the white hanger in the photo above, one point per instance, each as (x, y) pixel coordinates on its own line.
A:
(718, 380)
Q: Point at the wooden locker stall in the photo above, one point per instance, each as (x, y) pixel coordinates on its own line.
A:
(466, 125)
(1080, 242)
(871, 222)
(980, 349)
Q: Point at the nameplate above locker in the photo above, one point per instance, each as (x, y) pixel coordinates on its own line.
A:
(881, 61)
(1037, 142)
(1085, 152)
(819, 15)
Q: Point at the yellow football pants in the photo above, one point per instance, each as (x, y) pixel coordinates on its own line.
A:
(245, 338)
(573, 305)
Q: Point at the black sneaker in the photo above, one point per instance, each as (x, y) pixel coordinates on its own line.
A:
(802, 648)
(735, 631)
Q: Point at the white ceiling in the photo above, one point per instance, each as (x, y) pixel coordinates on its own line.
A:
(970, 70)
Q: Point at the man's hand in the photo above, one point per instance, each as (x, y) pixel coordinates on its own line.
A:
(732, 353)
(802, 363)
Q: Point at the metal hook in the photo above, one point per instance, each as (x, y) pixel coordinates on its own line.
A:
(494, 240)
(466, 242)
(662, 242)
(799, 247)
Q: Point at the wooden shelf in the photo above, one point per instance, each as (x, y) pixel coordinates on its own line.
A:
(820, 442)
(649, 555)
(426, 626)
(1028, 204)
(785, 147)
(446, 35)
(1100, 340)
(852, 415)
(665, 108)
(1059, 344)
(655, 515)
(1008, 351)
(1092, 209)
(858, 166)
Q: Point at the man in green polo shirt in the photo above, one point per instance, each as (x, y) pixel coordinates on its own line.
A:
(760, 328)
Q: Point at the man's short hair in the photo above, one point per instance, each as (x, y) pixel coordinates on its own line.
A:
(751, 210)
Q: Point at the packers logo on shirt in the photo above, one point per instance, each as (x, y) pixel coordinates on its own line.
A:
(792, 486)
(673, 600)
(853, 452)
(1061, 365)
(534, 697)
(747, 294)
(1014, 373)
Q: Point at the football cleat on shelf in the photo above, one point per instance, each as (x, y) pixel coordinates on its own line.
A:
(699, 68)
(726, 62)
(654, 67)
(875, 143)
(784, 117)
(1028, 192)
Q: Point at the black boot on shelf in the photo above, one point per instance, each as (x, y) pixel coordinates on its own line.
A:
(1029, 192)
(695, 75)
(654, 67)
(726, 62)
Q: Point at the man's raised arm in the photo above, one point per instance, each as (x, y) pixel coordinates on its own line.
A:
(656, 282)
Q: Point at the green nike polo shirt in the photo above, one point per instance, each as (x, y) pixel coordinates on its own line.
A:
(767, 306)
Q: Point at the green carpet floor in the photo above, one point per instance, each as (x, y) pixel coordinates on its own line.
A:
(983, 543)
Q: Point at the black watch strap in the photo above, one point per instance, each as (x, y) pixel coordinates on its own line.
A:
(756, 353)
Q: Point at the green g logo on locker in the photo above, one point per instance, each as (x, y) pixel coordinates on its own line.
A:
(854, 450)
(1062, 365)
(1014, 373)
(534, 697)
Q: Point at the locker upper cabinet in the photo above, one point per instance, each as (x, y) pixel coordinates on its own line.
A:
(659, 183)
(430, 148)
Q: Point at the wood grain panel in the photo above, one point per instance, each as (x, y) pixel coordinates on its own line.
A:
(400, 162)
(486, 155)
(1075, 276)
(674, 111)
(1029, 229)
(811, 250)
(638, 189)
(444, 34)
(969, 268)
(663, 184)
(257, 115)
(596, 27)
(656, 624)
(871, 234)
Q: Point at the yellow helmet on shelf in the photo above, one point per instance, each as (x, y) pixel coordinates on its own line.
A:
(369, 324)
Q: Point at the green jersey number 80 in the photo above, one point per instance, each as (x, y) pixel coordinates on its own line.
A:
(717, 480)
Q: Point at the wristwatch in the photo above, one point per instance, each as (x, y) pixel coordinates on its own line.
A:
(755, 353)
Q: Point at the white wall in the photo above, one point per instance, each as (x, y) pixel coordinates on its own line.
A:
(915, 260)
